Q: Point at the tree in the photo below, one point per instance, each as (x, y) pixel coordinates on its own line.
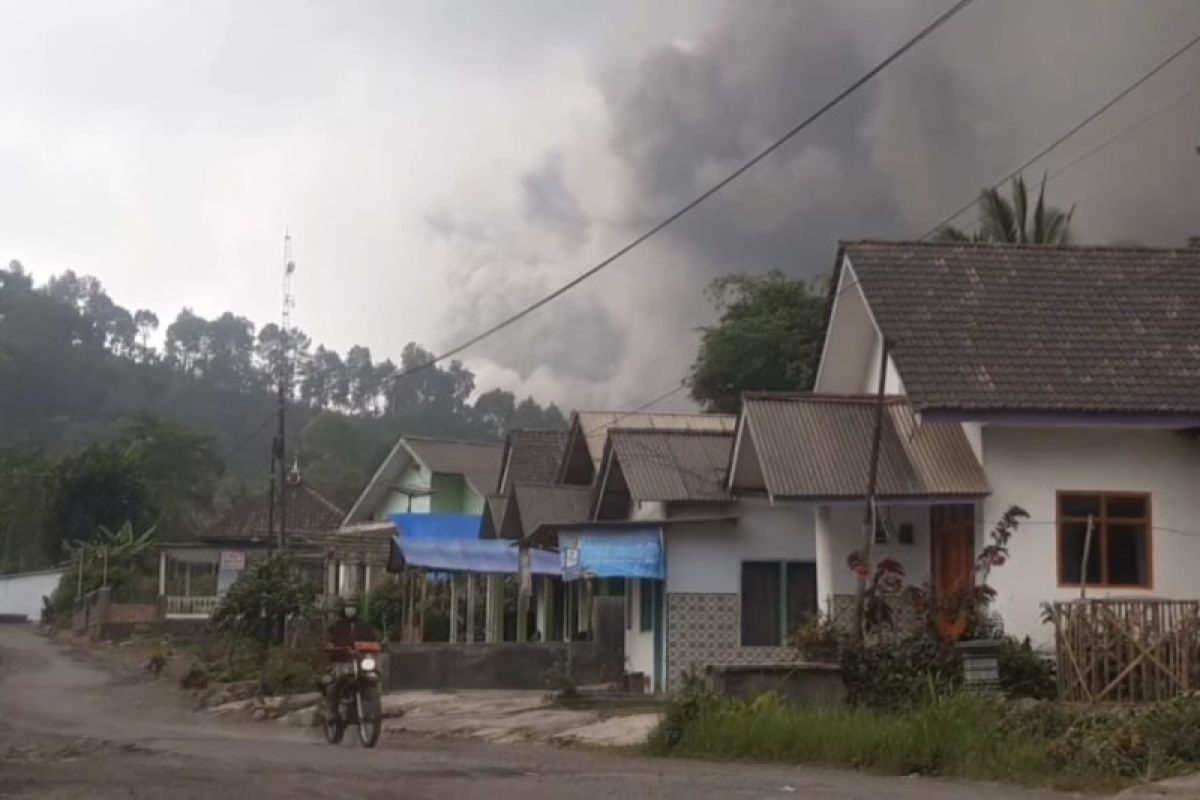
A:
(1009, 221)
(768, 338)
(98, 486)
(178, 467)
(258, 605)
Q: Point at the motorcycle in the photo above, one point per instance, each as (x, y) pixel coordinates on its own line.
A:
(358, 701)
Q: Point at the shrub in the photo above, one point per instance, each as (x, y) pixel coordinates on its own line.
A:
(1024, 672)
(258, 604)
(290, 670)
(692, 701)
(385, 609)
(196, 677)
(898, 672)
(818, 638)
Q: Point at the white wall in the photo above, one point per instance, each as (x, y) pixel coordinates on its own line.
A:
(1027, 466)
(850, 361)
(23, 593)
(845, 536)
(708, 558)
(639, 646)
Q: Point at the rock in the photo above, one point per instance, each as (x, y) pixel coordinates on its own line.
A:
(280, 705)
(258, 714)
(236, 710)
(303, 718)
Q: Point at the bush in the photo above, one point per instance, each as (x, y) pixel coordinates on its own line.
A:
(196, 677)
(291, 671)
(1024, 672)
(693, 701)
(897, 672)
(385, 609)
(258, 604)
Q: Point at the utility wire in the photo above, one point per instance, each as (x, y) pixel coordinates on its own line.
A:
(716, 187)
(1071, 132)
(641, 407)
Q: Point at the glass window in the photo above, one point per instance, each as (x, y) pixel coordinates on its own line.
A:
(1120, 548)
(801, 593)
(761, 606)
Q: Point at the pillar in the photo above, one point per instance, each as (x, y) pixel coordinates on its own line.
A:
(823, 532)
(470, 637)
(494, 610)
(162, 573)
(453, 607)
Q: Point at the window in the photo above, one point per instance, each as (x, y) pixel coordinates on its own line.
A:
(777, 596)
(1120, 551)
(646, 604)
(629, 605)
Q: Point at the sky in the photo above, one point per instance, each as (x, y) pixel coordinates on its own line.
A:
(440, 165)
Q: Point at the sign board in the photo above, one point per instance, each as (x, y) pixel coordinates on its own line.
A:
(233, 559)
(629, 553)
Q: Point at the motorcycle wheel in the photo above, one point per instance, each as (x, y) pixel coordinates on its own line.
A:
(370, 716)
(335, 726)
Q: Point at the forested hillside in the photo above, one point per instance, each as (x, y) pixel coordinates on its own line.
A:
(86, 393)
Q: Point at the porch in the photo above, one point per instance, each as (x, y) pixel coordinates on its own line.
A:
(192, 579)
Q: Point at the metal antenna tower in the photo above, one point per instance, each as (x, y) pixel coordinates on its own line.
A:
(286, 369)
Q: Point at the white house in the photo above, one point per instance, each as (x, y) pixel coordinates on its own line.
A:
(1073, 373)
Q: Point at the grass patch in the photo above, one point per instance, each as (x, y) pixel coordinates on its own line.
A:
(953, 734)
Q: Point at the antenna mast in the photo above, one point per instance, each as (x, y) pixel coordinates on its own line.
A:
(285, 376)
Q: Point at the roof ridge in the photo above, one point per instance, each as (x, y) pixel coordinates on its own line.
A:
(656, 413)
(616, 429)
(446, 440)
(1078, 248)
(824, 397)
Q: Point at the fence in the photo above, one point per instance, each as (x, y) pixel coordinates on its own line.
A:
(200, 606)
(1126, 651)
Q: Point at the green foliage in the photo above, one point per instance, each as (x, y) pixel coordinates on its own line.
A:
(818, 638)
(196, 677)
(1023, 672)
(98, 487)
(268, 594)
(291, 670)
(1010, 221)
(768, 337)
(897, 672)
(120, 559)
(385, 609)
(690, 706)
(178, 467)
(23, 479)
(1146, 743)
(560, 678)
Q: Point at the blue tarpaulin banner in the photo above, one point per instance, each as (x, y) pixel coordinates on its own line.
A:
(485, 556)
(437, 526)
(600, 553)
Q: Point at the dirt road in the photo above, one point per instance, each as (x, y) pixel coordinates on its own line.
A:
(70, 728)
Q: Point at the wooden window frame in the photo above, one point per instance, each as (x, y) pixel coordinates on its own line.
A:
(1100, 540)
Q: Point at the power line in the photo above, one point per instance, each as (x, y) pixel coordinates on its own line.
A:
(716, 187)
(1079, 126)
(1123, 132)
(641, 407)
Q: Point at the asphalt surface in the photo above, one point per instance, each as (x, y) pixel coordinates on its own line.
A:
(71, 728)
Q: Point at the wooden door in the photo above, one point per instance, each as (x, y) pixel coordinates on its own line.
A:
(952, 548)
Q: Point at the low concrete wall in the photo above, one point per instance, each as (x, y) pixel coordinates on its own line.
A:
(804, 684)
(507, 665)
(132, 613)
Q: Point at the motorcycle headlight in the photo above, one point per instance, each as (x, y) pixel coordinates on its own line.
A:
(368, 663)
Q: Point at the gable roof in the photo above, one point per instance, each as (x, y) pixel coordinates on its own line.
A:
(531, 456)
(541, 504)
(477, 462)
(993, 328)
(670, 466)
(308, 514)
(819, 447)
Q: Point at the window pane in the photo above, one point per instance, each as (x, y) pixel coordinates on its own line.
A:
(760, 603)
(1079, 505)
(801, 593)
(1126, 507)
(646, 604)
(1127, 557)
(1071, 537)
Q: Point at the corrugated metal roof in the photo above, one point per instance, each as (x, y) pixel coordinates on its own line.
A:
(814, 446)
(595, 425)
(493, 516)
(540, 504)
(532, 456)
(673, 465)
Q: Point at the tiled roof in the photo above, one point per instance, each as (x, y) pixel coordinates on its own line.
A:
(532, 456)
(596, 424)
(308, 513)
(539, 504)
(673, 465)
(819, 446)
(1037, 328)
(477, 462)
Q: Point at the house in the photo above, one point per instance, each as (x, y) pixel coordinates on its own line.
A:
(192, 576)
(1071, 376)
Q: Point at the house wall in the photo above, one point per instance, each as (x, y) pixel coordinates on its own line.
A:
(1027, 466)
(850, 361)
(846, 527)
(414, 478)
(22, 594)
(703, 590)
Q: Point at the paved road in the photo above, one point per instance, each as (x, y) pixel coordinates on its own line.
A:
(70, 728)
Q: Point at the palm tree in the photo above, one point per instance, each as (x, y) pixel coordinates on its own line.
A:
(1003, 220)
